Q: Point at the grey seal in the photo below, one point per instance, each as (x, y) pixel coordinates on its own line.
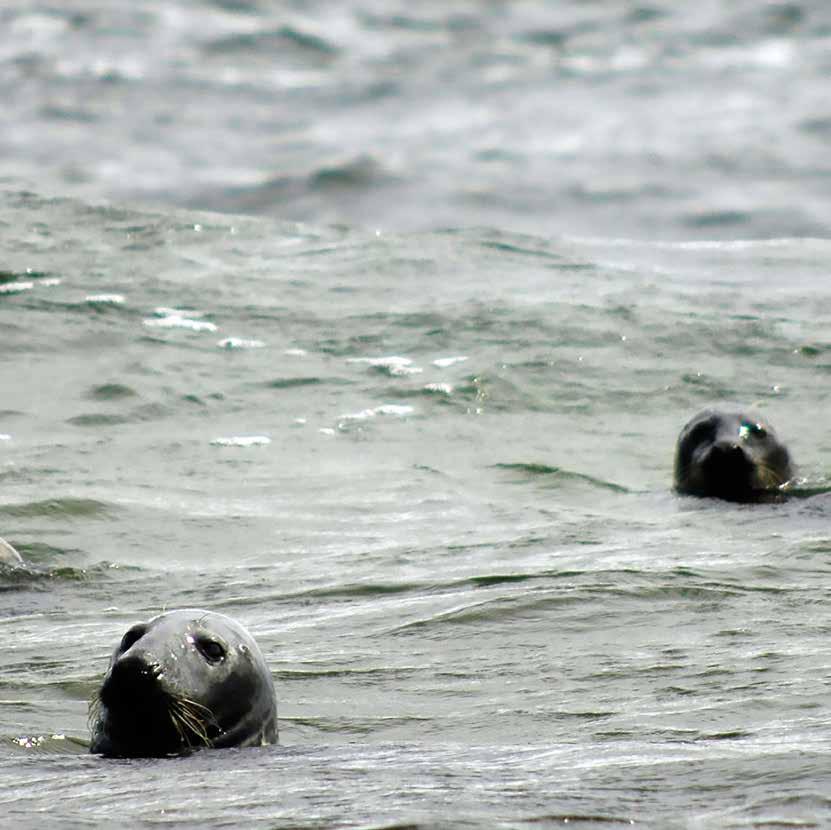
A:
(732, 455)
(8, 555)
(186, 679)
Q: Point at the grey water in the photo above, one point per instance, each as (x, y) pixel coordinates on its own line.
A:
(373, 325)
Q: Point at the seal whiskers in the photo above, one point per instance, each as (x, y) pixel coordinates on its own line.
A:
(192, 719)
(770, 477)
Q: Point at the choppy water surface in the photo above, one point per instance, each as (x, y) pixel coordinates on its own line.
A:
(665, 119)
(437, 490)
(423, 454)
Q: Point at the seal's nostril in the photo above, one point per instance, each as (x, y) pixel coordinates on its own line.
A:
(135, 670)
(728, 451)
(133, 680)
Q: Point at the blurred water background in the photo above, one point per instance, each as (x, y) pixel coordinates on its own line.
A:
(372, 324)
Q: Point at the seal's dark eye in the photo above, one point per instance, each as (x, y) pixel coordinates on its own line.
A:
(211, 650)
(132, 637)
(750, 428)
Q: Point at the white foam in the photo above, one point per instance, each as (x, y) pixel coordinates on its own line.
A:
(393, 364)
(444, 362)
(165, 311)
(406, 370)
(391, 360)
(4, 437)
(114, 299)
(363, 415)
(295, 352)
(16, 287)
(239, 343)
(396, 410)
(175, 321)
(242, 441)
(442, 388)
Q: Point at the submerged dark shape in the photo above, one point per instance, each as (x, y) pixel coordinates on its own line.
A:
(732, 455)
(184, 680)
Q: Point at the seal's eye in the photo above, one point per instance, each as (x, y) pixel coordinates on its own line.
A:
(211, 650)
(132, 637)
(750, 429)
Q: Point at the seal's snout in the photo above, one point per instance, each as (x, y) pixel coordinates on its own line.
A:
(728, 450)
(729, 469)
(133, 678)
(137, 667)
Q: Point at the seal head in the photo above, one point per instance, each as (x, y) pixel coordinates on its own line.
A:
(8, 555)
(731, 455)
(184, 680)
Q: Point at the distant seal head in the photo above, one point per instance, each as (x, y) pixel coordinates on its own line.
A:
(184, 680)
(732, 455)
(8, 555)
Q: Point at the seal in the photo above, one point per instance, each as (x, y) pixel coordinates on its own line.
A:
(185, 680)
(8, 555)
(731, 455)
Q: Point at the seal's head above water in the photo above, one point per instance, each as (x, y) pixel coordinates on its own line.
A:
(8, 555)
(185, 679)
(731, 455)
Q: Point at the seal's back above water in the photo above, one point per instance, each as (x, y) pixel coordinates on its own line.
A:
(185, 679)
(732, 455)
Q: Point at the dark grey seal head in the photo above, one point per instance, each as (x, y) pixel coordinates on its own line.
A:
(732, 455)
(184, 680)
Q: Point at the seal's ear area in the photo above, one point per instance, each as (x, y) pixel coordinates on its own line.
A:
(698, 431)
